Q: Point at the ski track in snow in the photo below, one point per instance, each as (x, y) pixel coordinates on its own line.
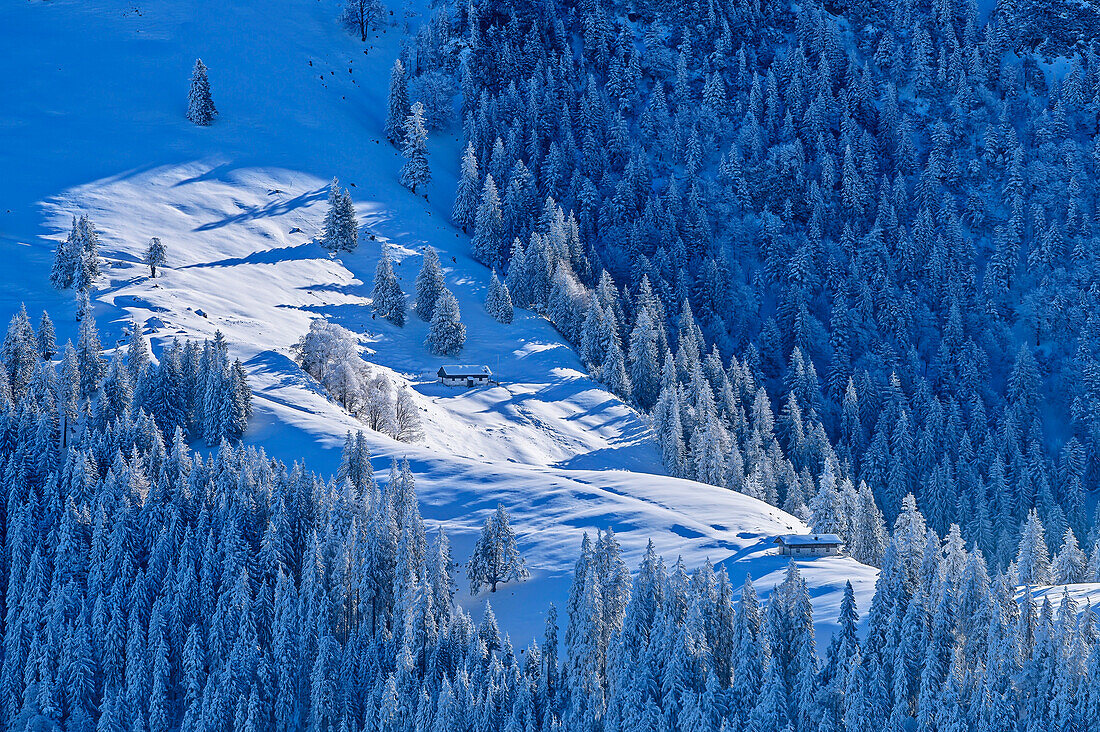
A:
(96, 125)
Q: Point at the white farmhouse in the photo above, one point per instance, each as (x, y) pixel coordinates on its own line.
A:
(809, 545)
(464, 375)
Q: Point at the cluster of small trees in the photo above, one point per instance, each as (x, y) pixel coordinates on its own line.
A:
(340, 232)
(435, 303)
(76, 262)
(406, 128)
(330, 354)
(1034, 566)
(193, 388)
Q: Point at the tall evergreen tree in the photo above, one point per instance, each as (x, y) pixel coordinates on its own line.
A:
(467, 195)
(200, 105)
(387, 298)
(496, 557)
(398, 111)
(498, 302)
(447, 334)
(489, 227)
(414, 147)
(429, 285)
(155, 255)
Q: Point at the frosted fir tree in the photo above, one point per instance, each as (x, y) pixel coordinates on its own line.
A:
(827, 514)
(76, 259)
(138, 358)
(398, 111)
(496, 558)
(331, 227)
(613, 372)
(447, 334)
(349, 231)
(869, 536)
(200, 105)
(340, 231)
(489, 226)
(467, 198)
(429, 285)
(19, 352)
(415, 171)
(1070, 564)
(156, 254)
(83, 304)
(47, 337)
(645, 374)
(89, 352)
(498, 303)
(387, 298)
(1033, 557)
(65, 258)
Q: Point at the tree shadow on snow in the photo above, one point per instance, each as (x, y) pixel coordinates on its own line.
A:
(286, 374)
(272, 208)
(306, 250)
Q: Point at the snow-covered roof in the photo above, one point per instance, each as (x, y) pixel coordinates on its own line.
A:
(809, 540)
(462, 372)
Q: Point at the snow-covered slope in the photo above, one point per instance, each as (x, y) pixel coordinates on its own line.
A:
(94, 123)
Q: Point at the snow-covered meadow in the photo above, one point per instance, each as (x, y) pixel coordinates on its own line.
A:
(239, 205)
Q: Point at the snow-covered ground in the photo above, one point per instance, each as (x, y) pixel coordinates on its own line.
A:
(94, 123)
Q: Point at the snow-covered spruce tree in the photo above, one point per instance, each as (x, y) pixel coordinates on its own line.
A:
(83, 304)
(340, 231)
(429, 284)
(155, 255)
(138, 358)
(869, 535)
(89, 352)
(19, 353)
(387, 298)
(1070, 563)
(76, 259)
(330, 229)
(447, 334)
(362, 16)
(1033, 556)
(645, 374)
(65, 257)
(498, 302)
(496, 558)
(349, 230)
(414, 147)
(467, 195)
(486, 242)
(398, 111)
(200, 105)
(613, 372)
(47, 337)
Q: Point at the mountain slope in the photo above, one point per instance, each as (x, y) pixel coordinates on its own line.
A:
(96, 125)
